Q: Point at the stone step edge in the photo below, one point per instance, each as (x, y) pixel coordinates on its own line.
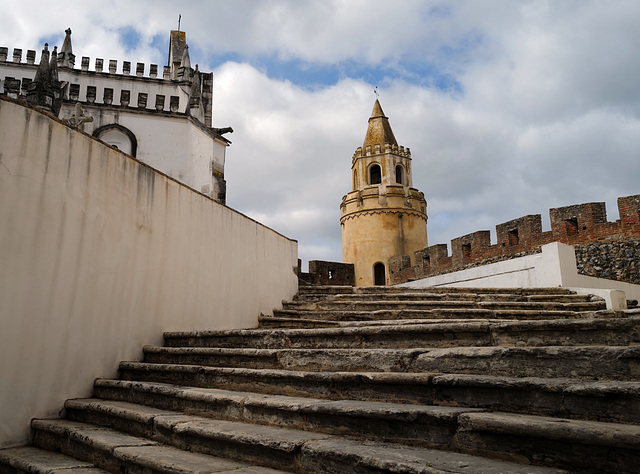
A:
(472, 311)
(353, 456)
(564, 397)
(120, 449)
(444, 325)
(585, 350)
(578, 445)
(442, 289)
(408, 321)
(567, 392)
(464, 297)
(401, 424)
(37, 460)
(199, 432)
(327, 304)
(459, 360)
(445, 315)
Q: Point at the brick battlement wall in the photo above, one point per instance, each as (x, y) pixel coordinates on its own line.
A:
(327, 273)
(581, 225)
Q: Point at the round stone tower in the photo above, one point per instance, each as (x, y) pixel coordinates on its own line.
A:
(383, 216)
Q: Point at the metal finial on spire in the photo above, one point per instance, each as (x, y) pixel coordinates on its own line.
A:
(179, 18)
(375, 91)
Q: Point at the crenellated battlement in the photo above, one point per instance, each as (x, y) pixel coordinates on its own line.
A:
(574, 225)
(378, 150)
(177, 89)
(112, 67)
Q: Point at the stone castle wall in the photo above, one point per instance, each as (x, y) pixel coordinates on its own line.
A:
(604, 249)
(612, 259)
(327, 273)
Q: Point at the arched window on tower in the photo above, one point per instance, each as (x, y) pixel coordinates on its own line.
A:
(375, 174)
(379, 274)
(355, 179)
(399, 174)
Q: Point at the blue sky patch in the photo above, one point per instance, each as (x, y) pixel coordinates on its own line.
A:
(130, 38)
(51, 40)
(309, 75)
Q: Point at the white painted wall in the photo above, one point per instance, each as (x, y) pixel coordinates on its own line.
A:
(100, 254)
(174, 144)
(554, 267)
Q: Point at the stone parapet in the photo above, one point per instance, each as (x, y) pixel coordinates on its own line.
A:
(327, 274)
(579, 225)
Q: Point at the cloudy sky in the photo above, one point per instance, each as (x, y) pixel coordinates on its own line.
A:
(509, 107)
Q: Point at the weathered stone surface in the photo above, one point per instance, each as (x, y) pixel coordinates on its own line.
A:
(220, 347)
(621, 363)
(615, 259)
(524, 385)
(163, 459)
(30, 459)
(574, 444)
(117, 452)
(366, 457)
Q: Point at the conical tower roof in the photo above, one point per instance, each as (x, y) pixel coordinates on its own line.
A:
(379, 131)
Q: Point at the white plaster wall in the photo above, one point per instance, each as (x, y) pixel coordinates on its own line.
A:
(514, 273)
(100, 254)
(173, 145)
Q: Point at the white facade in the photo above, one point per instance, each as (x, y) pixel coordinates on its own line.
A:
(162, 121)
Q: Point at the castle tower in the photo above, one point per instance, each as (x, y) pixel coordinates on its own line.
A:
(383, 216)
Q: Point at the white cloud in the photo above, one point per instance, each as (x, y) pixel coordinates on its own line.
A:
(545, 112)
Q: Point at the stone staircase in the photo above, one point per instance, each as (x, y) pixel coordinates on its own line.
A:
(369, 380)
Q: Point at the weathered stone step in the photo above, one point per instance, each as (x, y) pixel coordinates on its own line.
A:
(538, 440)
(40, 461)
(602, 362)
(578, 445)
(271, 322)
(309, 455)
(392, 422)
(115, 451)
(324, 291)
(361, 457)
(597, 401)
(375, 305)
(475, 297)
(425, 388)
(441, 313)
(618, 331)
(545, 361)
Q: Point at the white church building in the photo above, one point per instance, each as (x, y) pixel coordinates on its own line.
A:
(162, 118)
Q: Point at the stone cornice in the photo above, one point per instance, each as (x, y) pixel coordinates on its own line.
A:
(393, 210)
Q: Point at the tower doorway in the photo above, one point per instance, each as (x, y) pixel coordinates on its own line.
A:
(379, 274)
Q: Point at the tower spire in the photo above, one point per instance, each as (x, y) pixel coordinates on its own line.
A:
(379, 130)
